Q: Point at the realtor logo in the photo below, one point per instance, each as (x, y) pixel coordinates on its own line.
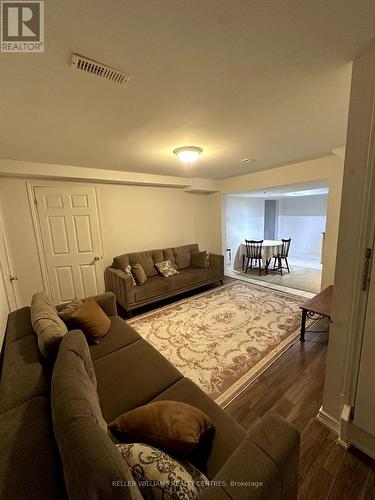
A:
(22, 26)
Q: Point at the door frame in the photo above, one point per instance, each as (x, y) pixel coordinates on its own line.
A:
(31, 186)
(6, 267)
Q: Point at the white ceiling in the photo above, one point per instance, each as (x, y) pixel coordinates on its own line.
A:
(265, 79)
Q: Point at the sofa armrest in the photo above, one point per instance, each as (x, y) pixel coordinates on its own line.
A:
(217, 261)
(121, 284)
(265, 465)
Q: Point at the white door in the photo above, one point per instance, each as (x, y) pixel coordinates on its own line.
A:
(69, 226)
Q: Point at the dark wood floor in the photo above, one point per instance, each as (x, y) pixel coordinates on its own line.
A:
(293, 387)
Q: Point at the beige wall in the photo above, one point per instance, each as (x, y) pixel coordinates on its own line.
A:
(132, 218)
(329, 168)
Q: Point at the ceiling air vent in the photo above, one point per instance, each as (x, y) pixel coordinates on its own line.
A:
(98, 69)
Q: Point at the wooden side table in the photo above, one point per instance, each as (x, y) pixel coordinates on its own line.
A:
(316, 308)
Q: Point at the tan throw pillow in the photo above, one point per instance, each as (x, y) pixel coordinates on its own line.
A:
(160, 476)
(200, 259)
(166, 268)
(172, 426)
(66, 313)
(92, 320)
(139, 274)
(47, 325)
(128, 270)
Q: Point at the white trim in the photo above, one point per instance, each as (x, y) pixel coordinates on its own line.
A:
(357, 323)
(328, 421)
(38, 239)
(6, 267)
(26, 169)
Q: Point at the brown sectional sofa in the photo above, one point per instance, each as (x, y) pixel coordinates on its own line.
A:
(127, 372)
(157, 287)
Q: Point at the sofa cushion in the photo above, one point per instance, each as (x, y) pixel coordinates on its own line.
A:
(153, 287)
(119, 335)
(30, 465)
(121, 261)
(91, 318)
(23, 374)
(172, 426)
(228, 434)
(65, 313)
(200, 259)
(90, 459)
(166, 268)
(189, 276)
(139, 274)
(131, 377)
(47, 325)
(165, 477)
(146, 261)
(183, 255)
(168, 254)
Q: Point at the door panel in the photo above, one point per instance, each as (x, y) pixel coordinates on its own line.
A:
(71, 240)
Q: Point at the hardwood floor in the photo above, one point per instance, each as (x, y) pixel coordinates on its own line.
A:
(293, 387)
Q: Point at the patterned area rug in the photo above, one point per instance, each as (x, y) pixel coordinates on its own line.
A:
(224, 338)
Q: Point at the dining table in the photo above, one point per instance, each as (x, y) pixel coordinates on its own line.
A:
(269, 249)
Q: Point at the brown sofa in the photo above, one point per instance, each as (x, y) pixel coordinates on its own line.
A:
(74, 456)
(157, 287)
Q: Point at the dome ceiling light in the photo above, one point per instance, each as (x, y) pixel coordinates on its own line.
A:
(188, 154)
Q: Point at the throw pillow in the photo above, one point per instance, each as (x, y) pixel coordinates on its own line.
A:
(47, 325)
(173, 426)
(128, 270)
(160, 476)
(139, 274)
(93, 321)
(166, 268)
(66, 313)
(200, 259)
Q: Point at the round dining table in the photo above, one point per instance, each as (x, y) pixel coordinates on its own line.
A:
(269, 249)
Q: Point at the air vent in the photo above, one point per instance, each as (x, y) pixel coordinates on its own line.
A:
(98, 69)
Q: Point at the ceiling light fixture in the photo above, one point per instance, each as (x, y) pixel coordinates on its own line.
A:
(247, 160)
(188, 154)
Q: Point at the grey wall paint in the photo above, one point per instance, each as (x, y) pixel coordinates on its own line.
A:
(270, 215)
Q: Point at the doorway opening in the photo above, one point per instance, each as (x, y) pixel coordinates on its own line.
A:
(297, 213)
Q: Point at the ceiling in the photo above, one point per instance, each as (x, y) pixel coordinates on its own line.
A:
(265, 79)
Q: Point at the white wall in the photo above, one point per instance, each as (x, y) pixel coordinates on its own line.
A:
(303, 219)
(244, 218)
(133, 218)
(329, 168)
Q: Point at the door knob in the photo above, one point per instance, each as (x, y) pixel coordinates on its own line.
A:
(97, 257)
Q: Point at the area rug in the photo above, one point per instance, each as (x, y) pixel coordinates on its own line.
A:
(224, 338)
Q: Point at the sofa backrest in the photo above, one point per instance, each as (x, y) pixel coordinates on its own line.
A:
(92, 463)
(180, 256)
(26, 432)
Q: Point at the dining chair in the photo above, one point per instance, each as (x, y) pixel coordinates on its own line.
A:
(254, 252)
(282, 255)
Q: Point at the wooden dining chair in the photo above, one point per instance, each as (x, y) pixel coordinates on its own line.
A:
(282, 255)
(254, 253)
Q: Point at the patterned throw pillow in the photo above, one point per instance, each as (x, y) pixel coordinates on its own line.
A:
(166, 268)
(159, 476)
(128, 270)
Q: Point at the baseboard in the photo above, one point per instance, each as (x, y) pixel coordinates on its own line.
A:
(328, 421)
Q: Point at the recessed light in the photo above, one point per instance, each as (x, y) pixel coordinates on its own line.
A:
(247, 160)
